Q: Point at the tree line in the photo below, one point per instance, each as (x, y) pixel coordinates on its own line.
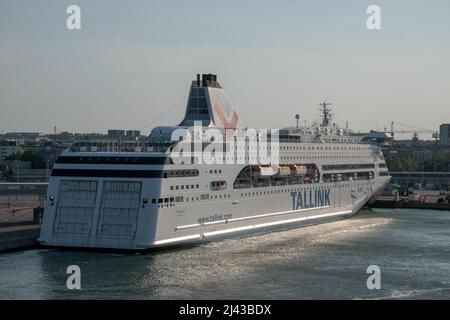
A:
(438, 163)
(37, 161)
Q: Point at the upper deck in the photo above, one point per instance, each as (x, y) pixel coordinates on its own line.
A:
(209, 109)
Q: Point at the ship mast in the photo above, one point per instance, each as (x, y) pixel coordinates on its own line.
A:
(326, 113)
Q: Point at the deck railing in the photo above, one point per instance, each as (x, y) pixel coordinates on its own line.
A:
(118, 146)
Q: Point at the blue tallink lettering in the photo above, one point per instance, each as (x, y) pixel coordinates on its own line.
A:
(327, 197)
(294, 203)
(319, 198)
(305, 204)
(301, 200)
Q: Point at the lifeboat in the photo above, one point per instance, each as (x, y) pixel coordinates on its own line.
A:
(263, 171)
(284, 170)
(298, 169)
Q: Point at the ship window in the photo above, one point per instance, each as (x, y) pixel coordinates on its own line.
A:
(171, 187)
(160, 200)
(176, 187)
(218, 185)
(153, 200)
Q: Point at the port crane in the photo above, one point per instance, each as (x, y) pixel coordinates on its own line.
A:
(414, 130)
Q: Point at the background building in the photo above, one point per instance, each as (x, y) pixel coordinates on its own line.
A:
(133, 134)
(8, 148)
(428, 180)
(444, 134)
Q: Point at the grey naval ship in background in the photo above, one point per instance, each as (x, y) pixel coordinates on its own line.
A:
(139, 198)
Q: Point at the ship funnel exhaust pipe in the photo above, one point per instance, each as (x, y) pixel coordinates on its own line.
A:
(204, 80)
(198, 79)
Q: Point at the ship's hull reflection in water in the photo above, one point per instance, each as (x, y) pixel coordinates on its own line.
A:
(323, 262)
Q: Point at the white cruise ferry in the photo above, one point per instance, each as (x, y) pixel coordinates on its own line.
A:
(138, 197)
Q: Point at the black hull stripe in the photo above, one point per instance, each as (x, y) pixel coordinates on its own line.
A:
(114, 160)
(125, 173)
(107, 173)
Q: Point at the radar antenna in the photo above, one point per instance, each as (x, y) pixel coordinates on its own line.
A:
(326, 113)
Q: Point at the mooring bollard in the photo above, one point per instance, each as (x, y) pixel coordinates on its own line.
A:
(37, 215)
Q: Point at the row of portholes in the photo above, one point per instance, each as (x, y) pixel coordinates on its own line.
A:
(268, 192)
(324, 157)
(169, 201)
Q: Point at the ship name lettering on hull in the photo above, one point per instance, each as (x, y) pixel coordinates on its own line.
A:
(310, 199)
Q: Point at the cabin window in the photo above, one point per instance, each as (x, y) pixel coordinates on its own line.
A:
(218, 185)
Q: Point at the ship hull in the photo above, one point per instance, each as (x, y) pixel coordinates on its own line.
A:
(154, 226)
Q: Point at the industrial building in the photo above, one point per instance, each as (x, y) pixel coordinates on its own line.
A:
(444, 134)
(8, 148)
(427, 180)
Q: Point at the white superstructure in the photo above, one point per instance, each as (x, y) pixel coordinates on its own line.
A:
(141, 199)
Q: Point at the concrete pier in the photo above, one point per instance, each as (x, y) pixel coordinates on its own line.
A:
(409, 205)
(20, 218)
(18, 237)
(423, 199)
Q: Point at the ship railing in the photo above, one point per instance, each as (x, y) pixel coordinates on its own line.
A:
(162, 146)
(311, 139)
(118, 146)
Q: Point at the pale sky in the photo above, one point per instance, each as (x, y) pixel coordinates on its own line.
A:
(133, 61)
